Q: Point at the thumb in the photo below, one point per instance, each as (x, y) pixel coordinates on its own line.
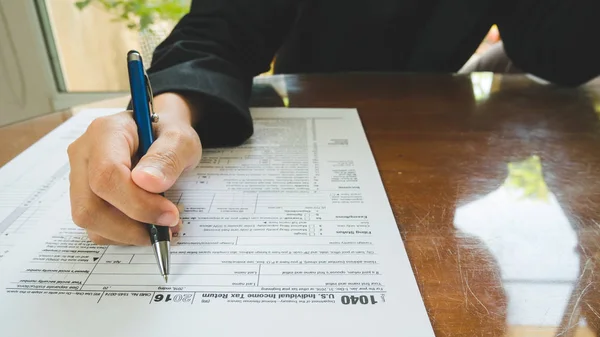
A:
(171, 153)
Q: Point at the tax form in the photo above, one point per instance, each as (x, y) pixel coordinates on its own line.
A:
(31, 183)
(289, 234)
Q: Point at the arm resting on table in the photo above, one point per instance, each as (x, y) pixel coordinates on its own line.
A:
(213, 53)
(557, 40)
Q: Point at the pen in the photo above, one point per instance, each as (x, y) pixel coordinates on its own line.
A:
(143, 113)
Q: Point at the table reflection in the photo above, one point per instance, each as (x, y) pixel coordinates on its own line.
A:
(483, 84)
(524, 228)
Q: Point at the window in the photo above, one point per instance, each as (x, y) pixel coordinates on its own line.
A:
(89, 39)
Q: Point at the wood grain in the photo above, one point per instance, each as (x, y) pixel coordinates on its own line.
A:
(446, 144)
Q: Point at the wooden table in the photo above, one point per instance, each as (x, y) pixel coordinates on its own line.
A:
(494, 182)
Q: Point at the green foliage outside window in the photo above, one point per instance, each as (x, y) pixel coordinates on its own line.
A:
(141, 14)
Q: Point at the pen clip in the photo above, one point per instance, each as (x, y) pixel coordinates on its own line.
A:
(153, 115)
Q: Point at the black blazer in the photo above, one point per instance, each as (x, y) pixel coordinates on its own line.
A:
(216, 49)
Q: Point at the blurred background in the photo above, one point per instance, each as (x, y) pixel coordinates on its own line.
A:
(57, 54)
(82, 29)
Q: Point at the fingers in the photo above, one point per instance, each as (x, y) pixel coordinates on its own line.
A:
(107, 225)
(109, 176)
(104, 223)
(112, 182)
(107, 199)
(176, 149)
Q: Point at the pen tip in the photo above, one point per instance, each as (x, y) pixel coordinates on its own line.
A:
(166, 279)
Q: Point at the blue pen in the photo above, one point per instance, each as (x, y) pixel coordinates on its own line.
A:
(143, 113)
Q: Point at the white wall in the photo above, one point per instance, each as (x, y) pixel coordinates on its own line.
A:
(26, 84)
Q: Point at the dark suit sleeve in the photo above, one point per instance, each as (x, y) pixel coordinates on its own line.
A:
(556, 40)
(213, 53)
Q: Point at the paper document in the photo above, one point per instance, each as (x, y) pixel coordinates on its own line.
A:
(289, 234)
(32, 182)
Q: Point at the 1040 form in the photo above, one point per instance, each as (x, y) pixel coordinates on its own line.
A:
(289, 234)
